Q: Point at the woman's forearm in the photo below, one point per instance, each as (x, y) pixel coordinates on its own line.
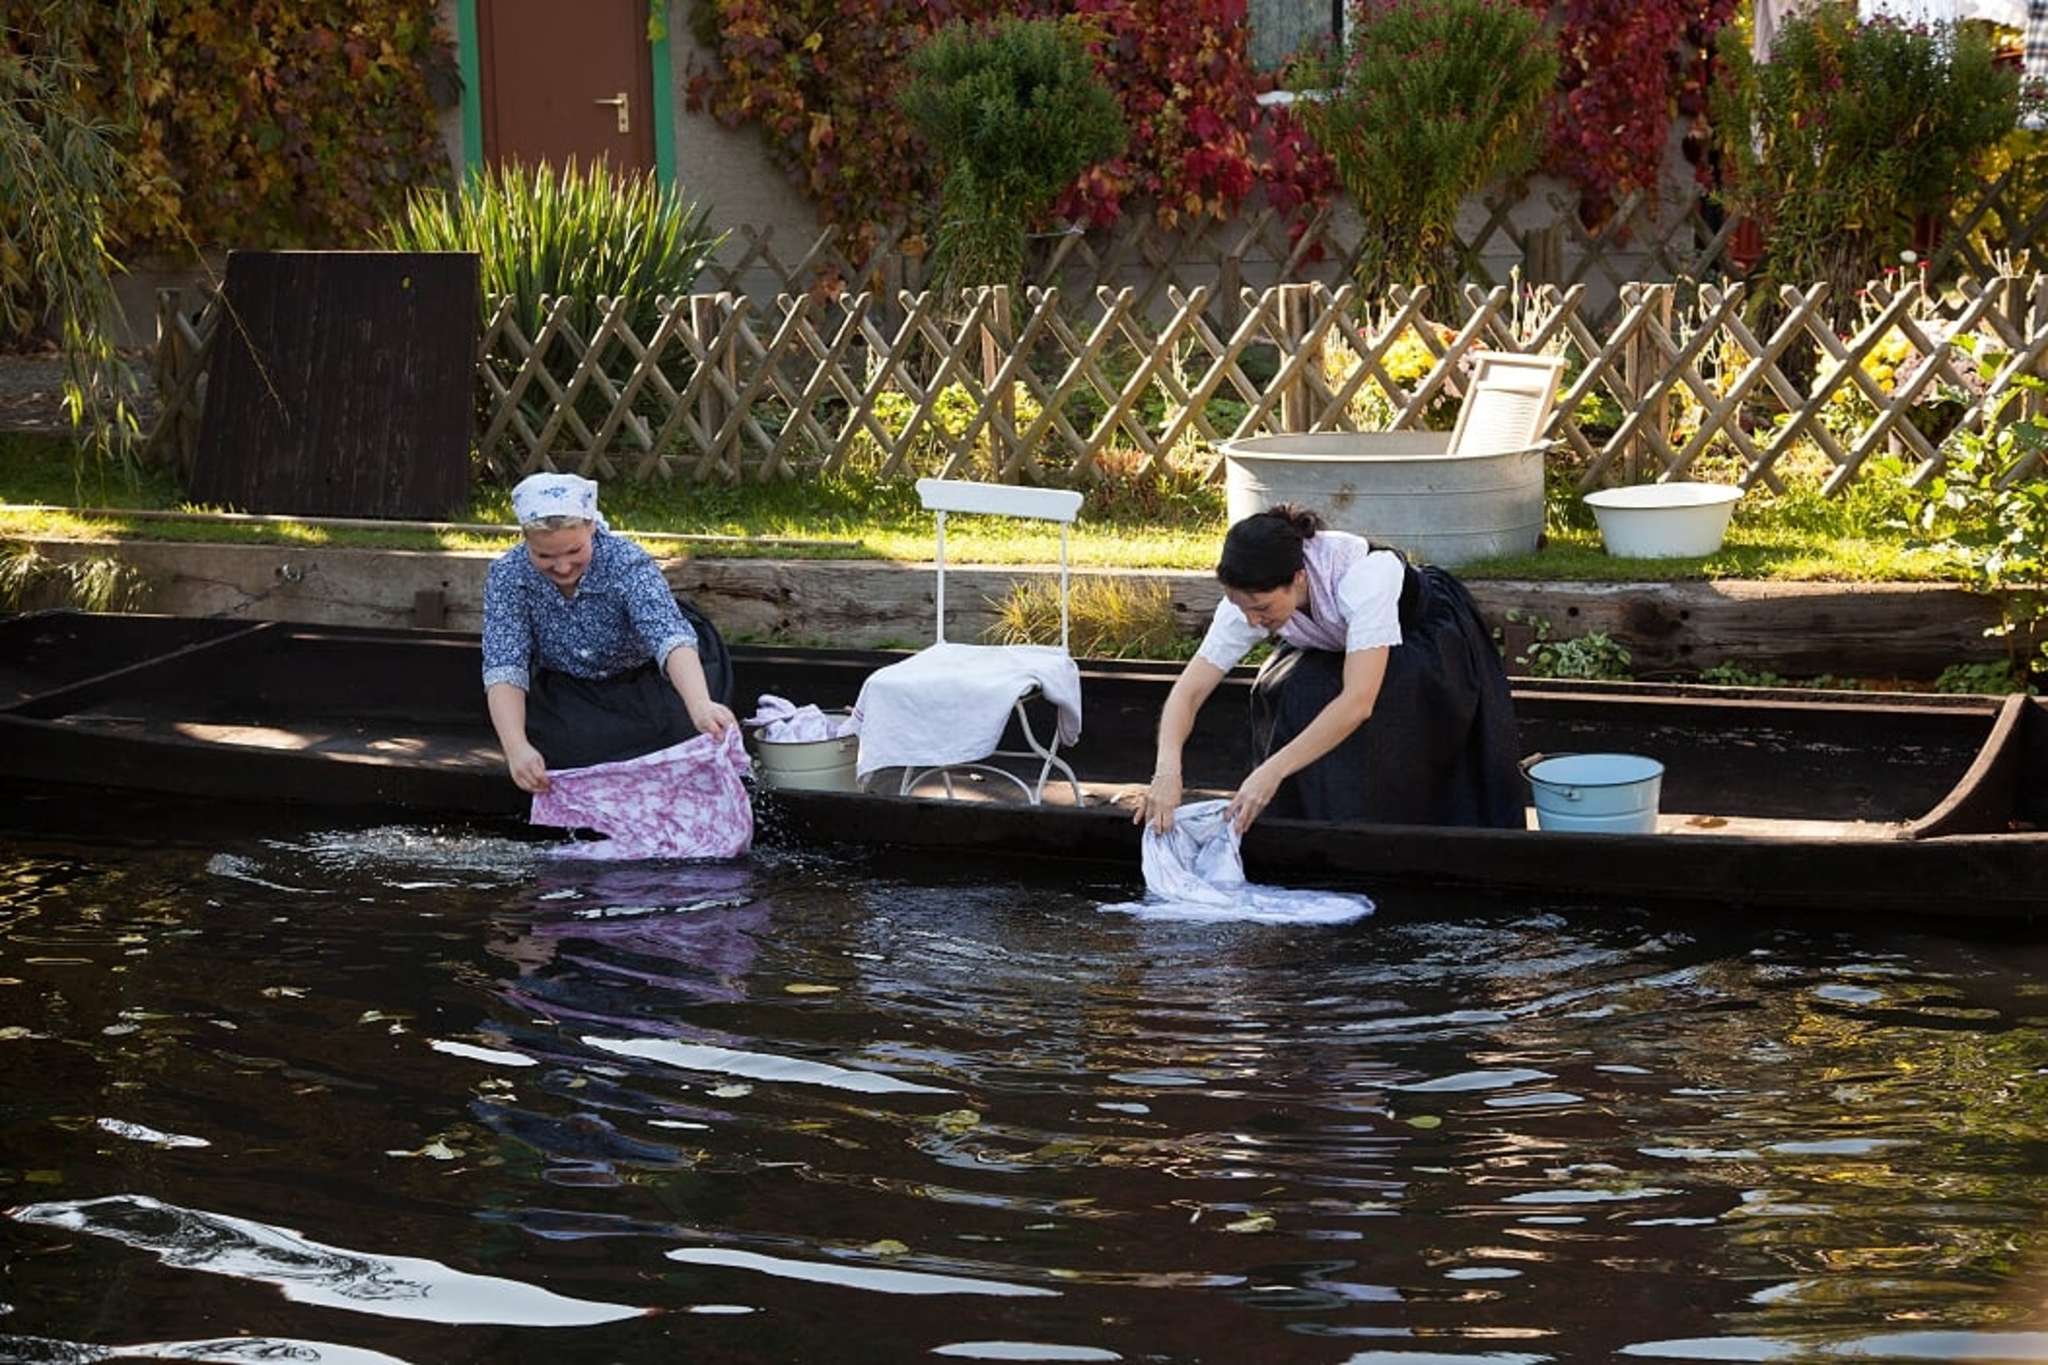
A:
(507, 705)
(685, 672)
(1364, 671)
(1331, 727)
(1177, 717)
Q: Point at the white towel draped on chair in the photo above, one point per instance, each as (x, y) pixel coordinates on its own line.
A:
(948, 704)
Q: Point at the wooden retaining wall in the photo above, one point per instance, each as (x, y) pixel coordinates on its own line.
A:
(1799, 629)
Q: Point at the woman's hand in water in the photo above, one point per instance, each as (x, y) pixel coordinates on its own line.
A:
(529, 770)
(712, 719)
(1253, 797)
(1155, 805)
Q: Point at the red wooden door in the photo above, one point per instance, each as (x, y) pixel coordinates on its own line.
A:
(564, 80)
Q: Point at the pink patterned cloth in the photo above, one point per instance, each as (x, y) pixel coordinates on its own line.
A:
(685, 801)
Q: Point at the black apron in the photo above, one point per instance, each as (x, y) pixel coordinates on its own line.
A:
(577, 722)
(1440, 747)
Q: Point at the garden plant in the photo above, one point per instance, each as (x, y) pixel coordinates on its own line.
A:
(1430, 101)
(63, 169)
(581, 233)
(1850, 131)
(1014, 112)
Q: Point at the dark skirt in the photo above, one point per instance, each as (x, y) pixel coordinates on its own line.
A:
(577, 722)
(1441, 746)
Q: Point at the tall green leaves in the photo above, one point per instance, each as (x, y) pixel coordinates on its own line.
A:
(1851, 129)
(546, 232)
(61, 176)
(1015, 112)
(1431, 101)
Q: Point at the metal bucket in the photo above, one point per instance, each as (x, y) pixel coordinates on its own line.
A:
(1595, 793)
(1398, 488)
(817, 765)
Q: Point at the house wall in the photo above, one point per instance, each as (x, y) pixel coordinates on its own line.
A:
(725, 168)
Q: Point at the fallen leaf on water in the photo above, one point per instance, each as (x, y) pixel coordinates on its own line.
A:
(1258, 1222)
(888, 1246)
(43, 1177)
(1425, 1121)
(809, 988)
(957, 1121)
(13, 1031)
(730, 1092)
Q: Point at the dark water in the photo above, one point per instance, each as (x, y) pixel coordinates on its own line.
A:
(407, 1095)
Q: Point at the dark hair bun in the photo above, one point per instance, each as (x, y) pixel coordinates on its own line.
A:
(1264, 551)
(1304, 521)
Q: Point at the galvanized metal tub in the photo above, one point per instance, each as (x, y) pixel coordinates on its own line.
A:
(1398, 488)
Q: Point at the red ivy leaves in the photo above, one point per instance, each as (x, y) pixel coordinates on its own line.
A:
(274, 122)
(1200, 141)
(820, 77)
(1626, 67)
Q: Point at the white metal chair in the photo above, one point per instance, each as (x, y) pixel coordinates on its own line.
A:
(944, 496)
(1507, 404)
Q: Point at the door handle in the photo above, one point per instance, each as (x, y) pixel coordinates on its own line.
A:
(624, 105)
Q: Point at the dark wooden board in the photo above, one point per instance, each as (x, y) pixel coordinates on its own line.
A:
(343, 383)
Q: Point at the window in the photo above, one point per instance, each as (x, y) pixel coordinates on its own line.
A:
(1281, 28)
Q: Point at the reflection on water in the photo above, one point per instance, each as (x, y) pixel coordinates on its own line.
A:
(416, 1096)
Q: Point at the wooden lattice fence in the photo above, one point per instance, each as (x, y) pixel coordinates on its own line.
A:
(1053, 387)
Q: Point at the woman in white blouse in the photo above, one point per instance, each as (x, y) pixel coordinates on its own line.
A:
(1385, 701)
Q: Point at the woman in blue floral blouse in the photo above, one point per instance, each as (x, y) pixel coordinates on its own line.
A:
(587, 657)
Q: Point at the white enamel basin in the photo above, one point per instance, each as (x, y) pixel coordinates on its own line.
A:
(1664, 520)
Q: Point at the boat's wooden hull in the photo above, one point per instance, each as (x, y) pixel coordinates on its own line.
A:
(1920, 805)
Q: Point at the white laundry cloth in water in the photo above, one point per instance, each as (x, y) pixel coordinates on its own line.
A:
(948, 703)
(1196, 871)
(784, 722)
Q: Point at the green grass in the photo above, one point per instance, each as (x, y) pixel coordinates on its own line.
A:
(1796, 536)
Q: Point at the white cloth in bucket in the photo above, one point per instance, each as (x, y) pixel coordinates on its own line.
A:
(1195, 871)
(782, 721)
(949, 703)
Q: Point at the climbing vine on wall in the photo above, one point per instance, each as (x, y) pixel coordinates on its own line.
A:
(820, 78)
(276, 122)
(1627, 68)
(1200, 141)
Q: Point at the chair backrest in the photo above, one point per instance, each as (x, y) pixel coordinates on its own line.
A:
(1508, 403)
(999, 500)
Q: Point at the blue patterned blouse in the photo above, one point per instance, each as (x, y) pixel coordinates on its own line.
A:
(621, 615)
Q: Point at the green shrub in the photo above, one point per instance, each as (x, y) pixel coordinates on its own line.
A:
(581, 233)
(1988, 507)
(1595, 655)
(1014, 111)
(1431, 101)
(1850, 130)
(63, 173)
(1997, 678)
(1176, 490)
(1735, 675)
(952, 411)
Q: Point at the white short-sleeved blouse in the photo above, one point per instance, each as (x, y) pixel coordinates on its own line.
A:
(1370, 594)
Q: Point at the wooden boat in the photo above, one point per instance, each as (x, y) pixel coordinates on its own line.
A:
(1805, 801)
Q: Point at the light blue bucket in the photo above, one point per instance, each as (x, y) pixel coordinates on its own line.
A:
(1595, 793)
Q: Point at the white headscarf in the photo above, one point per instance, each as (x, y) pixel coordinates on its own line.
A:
(538, 496)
